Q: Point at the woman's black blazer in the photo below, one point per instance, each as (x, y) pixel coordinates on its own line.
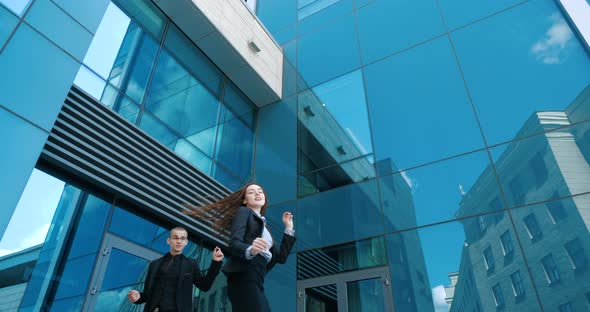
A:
(245, 227)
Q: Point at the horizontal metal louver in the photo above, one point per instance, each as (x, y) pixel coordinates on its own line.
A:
(96, 145)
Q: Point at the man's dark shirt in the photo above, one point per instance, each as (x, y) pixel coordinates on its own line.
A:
(166, 282)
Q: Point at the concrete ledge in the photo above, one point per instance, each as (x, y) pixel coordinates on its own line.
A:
(235, 40)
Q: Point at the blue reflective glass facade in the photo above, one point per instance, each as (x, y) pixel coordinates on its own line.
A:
(435, 154)
(451, 131)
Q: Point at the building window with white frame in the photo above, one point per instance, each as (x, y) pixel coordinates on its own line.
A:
(551, 271)
(498, 296)
(506, 241)
(576, 254)
(532, 227)
(488, 257)
(517, 284)
(556, 209)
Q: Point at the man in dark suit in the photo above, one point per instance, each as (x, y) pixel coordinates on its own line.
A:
(169, 282)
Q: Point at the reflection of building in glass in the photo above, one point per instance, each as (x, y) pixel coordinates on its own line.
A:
(408, 269)
(327, 144)
(554, 235)
(15, 273)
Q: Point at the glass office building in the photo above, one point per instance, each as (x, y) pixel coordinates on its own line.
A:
(435, 153)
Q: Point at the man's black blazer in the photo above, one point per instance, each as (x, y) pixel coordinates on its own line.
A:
(245, 227)
(190, 274)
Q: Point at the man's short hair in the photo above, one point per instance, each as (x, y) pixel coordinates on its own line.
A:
(178, 228)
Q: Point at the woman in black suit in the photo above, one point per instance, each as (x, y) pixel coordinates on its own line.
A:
(252, 251)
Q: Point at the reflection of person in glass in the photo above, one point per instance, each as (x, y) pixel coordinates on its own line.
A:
(170, 279)
(252, 249)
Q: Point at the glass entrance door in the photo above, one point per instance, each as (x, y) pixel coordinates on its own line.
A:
(122, 266)
(359, 291)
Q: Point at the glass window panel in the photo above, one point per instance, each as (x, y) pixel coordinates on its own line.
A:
(122, 53)
(534, 66)
(73, 304)
(341, 258)
(563, 158)
(550, 260)
(50, 20)
(404, 92)
(180, 100)
(75, 277)
(316, 50)
(17, 6)
(157, 130)
(445, 261)
(276, 150)
(365, 295)
(145, 14)
(143, 233)
(461, 12)
(106, 94)
(188, 59)
(193, 155)
(34, 70)
(334, 114)
(306, 8)
(450, 189)
(226, 178)
(115, 299)
(321, 299)
(276, 15)
(113, 39)
(90, 227)
(335, 176)
(7, 24)
(383, 26)
(323, 16)
(237, 104)
(40, 198)
(204, 140)
(124, 269)
(274, 217)
(49, 253)
(340, 215)
(90, 82)
(235, 146)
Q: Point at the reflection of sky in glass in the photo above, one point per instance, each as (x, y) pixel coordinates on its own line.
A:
(107, 41)
(33, 214)
(345, 99)
(532, 62)
(17, 6)
(442, 247)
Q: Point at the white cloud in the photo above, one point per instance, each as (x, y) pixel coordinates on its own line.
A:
(551, 48)
(438, 298)
(4, 252)
(37, 237)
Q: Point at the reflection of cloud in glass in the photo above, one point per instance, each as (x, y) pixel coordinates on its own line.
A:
(35, 238)
(438, 298)
(551, 49)
(33, 214)
(408, 179)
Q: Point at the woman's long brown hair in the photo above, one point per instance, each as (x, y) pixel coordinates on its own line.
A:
(221, 213)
